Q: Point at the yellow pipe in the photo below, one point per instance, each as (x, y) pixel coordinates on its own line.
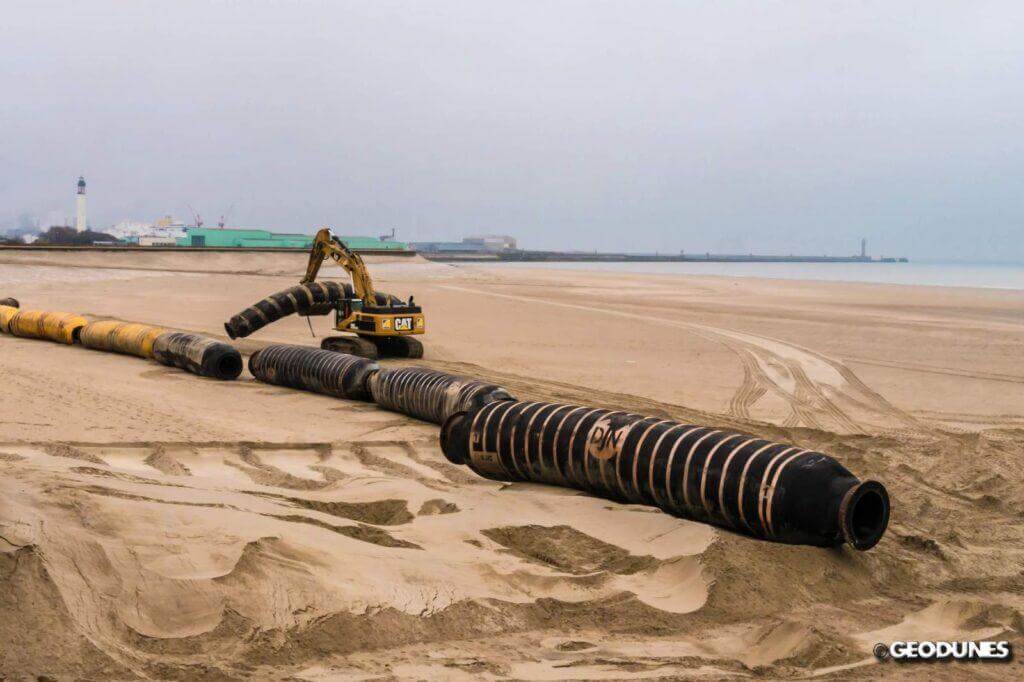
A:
(6, 313)
(121, 337)
(46, 324)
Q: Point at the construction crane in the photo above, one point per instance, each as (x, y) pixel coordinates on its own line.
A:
(224, 217)
(195, 216)
(375, 324)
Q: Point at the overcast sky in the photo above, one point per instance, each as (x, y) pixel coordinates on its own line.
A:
(789, 127)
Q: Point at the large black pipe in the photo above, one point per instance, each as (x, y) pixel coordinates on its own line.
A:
(312, 369)
(769, 490)
(10, 302)
(430, 395)
(198, 354)
(315, 298)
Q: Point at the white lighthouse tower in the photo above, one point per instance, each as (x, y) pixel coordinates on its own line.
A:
(80, 223)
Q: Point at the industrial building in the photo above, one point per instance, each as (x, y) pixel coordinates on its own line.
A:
(227, 238)
(470, 244)
(492, 242)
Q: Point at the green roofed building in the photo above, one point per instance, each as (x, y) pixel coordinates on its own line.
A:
(257, 239)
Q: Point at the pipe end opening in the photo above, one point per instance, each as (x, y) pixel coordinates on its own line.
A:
(864, 514)
(229, 366)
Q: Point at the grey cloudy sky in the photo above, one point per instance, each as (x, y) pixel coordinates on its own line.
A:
(726, 126)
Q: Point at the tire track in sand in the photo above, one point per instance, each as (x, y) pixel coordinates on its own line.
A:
(810, 383)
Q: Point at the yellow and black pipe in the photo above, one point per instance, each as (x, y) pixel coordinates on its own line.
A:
(116, 336)
(42, 324)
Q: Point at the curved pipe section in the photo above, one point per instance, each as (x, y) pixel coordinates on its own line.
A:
(10, 302)
(311, 369)
(315, 298)
(198, 354)
(45, 324)
(121, 337)
(429, 395)
(771, 491)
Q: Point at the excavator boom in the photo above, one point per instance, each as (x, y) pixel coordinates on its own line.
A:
(325, 246)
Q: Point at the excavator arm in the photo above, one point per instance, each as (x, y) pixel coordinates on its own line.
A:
(325, 246)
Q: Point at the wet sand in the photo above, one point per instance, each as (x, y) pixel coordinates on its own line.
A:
(156, 524)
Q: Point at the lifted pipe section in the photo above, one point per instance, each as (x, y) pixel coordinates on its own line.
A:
(314, 298)
(430, 395)
(311, 369)
(10, 302)
(768, 490)
(198, 354)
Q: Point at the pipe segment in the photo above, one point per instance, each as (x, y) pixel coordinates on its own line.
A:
(314, 298)
(198, 354)
(7, 313)
(771, 491)
(311, 369)
(42, 324)
(121, 337)
(430, 395)
(10, 302)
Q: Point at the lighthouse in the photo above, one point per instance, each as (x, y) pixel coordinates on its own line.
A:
(80, 223)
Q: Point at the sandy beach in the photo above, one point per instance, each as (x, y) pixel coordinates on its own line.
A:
(154, 524)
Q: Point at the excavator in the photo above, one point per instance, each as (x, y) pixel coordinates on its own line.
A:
(374, 324)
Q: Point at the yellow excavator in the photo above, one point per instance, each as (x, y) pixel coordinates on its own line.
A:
(375, 324)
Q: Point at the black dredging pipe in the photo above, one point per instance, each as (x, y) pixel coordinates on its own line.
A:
(311, 369)
(769, 490)
(430, 395)
(198, 354)
(314, 298)
(10, 302)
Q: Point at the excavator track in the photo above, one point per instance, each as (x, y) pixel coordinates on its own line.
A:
(353, 345)
(397, 346)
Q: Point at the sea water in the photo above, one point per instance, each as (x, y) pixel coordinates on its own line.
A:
(981, 275)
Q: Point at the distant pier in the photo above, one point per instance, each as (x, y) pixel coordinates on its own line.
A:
(577, 257)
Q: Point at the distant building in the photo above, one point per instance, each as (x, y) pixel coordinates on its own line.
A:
(230, 238)
(80, 218)
(169, 223)
(492, 242)
(149, 240)
(441, 247)
(163, 230)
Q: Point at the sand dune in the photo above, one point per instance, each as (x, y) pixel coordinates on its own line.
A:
(154, 524)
